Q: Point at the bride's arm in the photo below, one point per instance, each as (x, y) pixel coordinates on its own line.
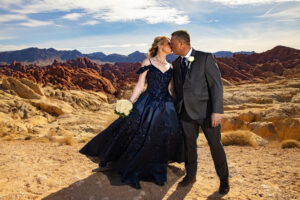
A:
(171, 87)
(139, 87)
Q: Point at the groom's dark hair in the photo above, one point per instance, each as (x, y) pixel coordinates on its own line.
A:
(183, 35)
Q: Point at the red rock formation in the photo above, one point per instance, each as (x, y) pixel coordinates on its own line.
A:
(247, 68)
(82, 73)
(73, 74)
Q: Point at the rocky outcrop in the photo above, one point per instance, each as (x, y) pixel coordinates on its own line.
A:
(23, 88)
(52, 107)
(82, 73)
(35, 87)
(258, 67)
(269, 110)
(76, 112)
(73, 74)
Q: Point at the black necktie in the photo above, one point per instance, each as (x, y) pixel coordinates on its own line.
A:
(183, 68)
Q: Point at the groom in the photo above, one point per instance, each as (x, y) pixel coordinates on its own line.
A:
(199, 103)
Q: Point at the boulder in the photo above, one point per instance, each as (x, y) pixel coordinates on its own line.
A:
(242, 138)
(263, 129)
(288, 128)
(35, 87)
(21, 89)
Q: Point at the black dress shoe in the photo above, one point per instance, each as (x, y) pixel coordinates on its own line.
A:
(187, 180)
(159, 183)
(135, 185)
(224, 187)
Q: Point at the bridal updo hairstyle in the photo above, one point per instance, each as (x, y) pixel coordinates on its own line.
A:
(154, 48)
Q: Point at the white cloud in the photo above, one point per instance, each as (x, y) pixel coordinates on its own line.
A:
(122, 45)
(6, 37)
(118, 43)
(12, 47)
(283, 15)
(91, 22)
(36, 23)
(12, 17)
(151, 11)
(73, 16)
(213, 21)
(154, 14)
(246, 2)
(7, 3)
(257, 36)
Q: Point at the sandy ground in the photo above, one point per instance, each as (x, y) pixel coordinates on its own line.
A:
(50, 171)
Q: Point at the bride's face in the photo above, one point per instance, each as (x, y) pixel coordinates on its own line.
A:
(165, 47)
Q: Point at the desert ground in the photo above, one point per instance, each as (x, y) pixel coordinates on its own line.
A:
(42, 129)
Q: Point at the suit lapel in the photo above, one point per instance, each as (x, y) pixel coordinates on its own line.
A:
(191, 64)
(177, 67)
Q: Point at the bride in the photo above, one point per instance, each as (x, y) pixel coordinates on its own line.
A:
(140, 145)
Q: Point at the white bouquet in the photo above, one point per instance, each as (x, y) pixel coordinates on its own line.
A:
(123, 107)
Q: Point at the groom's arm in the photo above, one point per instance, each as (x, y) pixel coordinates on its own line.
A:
(215, 85)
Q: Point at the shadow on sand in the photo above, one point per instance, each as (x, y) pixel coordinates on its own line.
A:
(107, 185)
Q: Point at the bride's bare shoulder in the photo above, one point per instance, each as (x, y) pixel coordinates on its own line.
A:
(145, 62)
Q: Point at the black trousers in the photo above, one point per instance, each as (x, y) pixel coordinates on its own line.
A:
(213, 135)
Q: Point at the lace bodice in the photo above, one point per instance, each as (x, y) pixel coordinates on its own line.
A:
(157, 81)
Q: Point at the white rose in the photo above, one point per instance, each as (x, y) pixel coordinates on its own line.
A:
(124, 106)
(191, 59)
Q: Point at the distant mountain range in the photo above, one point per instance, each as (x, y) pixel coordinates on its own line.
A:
(229, 54)
(47, 56)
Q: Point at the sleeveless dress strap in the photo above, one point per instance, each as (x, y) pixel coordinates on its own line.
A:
(142, 69)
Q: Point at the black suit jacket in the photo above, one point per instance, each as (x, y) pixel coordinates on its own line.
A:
(202, 91)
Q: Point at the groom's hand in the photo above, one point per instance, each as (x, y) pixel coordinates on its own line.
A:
(216, 119)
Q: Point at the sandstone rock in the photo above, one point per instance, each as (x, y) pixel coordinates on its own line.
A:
(52, 107)
(231, 123)
(247, 116)
(288, 128)
(226, 83)
(260, 100)
(296, 98)
(5, 84)
(35, 87)
(242, 138)
(263, 129)
(37, 120)
(11, 126)
(22, 90)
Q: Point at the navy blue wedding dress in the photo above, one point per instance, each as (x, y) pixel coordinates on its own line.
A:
(141, 145)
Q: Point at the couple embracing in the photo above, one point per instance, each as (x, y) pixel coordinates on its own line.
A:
(164, 123)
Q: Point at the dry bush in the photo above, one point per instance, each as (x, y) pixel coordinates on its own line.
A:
(44, 139)
(67, 140)
(242, 138)
(9, 138)
(29, 137)
(290, 144)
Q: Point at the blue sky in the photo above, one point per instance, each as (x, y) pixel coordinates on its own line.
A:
(124, 26)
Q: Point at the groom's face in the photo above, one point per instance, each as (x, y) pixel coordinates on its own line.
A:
(176, 45)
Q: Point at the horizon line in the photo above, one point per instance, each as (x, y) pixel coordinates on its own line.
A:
(67, 49)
